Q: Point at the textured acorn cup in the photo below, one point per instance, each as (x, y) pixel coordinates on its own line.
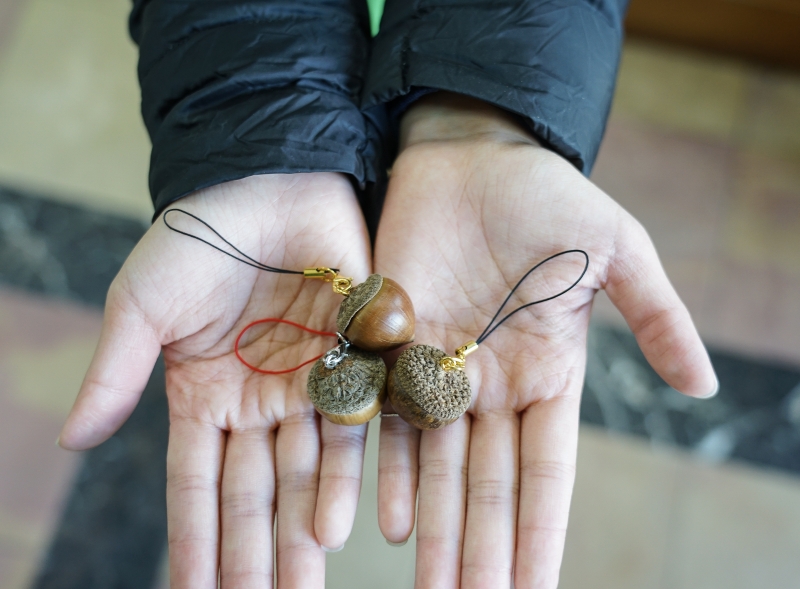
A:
(423, 393)
(377, 315)
(352, 392)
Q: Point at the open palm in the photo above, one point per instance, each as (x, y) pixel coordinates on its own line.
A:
(243, 446)
(470, 209)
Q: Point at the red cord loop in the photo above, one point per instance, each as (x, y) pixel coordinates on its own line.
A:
(277, 320)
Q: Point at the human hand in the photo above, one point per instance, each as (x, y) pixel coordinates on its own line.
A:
(242, 446)
(473, 203)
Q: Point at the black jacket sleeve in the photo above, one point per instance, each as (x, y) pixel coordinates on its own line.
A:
(553, 62)
(233, 88)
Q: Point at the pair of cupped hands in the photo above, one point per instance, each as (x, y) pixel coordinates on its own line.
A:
(473, 202)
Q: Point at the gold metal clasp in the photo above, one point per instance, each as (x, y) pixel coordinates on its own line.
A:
(459, 361)
(326, 274)
(341, 284)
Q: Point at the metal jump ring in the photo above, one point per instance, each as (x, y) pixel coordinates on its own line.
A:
(333, 357)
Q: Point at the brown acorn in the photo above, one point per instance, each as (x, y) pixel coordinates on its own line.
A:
(423, 393)
(377, 315)
(353, 391)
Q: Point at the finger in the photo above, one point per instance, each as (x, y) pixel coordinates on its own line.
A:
(339, 483)
(443, 456)
(398, 476)
(247, 509)
(548, 447)
(194, 469)
(300, 559)
(640, 289)
(121, 366)
(492, 500)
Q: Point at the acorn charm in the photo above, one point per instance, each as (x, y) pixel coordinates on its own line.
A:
(347, 385)
(377, 315)
(428, 388)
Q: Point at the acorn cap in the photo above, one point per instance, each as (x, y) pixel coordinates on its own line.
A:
(353, 391)
(359, 296)
(423, 393)
(377, 315)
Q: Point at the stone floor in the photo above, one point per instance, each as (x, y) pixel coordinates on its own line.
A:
(705, 151)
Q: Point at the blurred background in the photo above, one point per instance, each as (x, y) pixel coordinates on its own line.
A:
(703, 146)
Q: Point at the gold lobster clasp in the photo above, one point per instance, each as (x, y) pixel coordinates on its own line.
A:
(459, 361)
(341, 284)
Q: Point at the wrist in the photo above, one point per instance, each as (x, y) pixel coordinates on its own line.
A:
(277, 193)
(445, 116)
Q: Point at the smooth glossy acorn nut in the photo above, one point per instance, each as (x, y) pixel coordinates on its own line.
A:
(352, 392)
(423, 393)
(377, 315)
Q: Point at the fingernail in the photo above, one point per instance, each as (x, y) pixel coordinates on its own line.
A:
(326, 549)
(397, 544)
(712, 393)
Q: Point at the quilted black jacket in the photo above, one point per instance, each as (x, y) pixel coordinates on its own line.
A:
(232, 88)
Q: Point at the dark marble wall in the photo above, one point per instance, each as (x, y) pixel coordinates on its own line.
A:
(755, 417)
(59, 249)
(112, 533)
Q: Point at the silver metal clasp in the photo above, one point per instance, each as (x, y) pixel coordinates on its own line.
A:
(332, 357)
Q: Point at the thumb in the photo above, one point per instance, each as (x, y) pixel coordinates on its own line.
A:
(640, 289)
(121, 366)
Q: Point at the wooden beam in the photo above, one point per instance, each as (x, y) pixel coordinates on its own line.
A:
(763, 30)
